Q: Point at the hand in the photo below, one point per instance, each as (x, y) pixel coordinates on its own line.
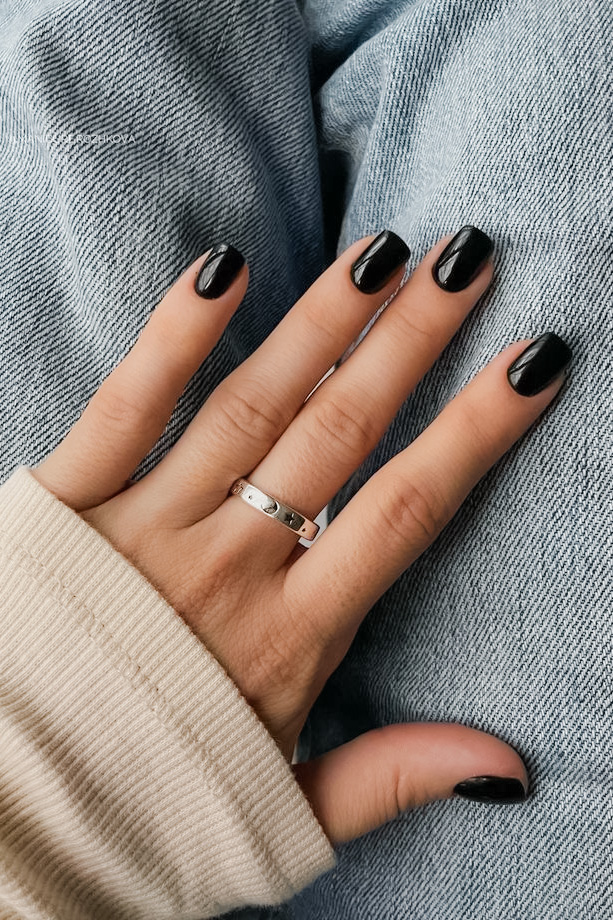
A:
(278, 617)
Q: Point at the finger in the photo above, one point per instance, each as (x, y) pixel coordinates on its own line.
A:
(382, 773)
(405, 505)
(254, 405)
(131, 409)
(346, 417)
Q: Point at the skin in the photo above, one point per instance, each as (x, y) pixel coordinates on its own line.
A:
(280, 618)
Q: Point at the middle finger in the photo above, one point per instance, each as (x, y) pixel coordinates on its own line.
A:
(345, 418)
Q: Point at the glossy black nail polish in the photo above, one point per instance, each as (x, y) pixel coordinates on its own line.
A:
(374, 268)
(495, 789)
(541, 362)
(462, 259)
(219, 270)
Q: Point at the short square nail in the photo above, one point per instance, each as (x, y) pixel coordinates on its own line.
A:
(539, 364)
(463, 259)
(500, 790)
(220, 268)
(377, 264)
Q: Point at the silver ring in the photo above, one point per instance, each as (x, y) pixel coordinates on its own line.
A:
(273, 508)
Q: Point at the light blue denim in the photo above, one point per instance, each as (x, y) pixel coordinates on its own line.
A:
(136, 133)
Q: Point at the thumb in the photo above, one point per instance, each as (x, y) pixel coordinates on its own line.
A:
(378, 775)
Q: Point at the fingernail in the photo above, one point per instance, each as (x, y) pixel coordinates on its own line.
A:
(218, 271)
(374, 268)
(539, 364)
(462, 259)
(495, 789)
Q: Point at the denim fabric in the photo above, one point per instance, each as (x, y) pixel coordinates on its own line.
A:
(133, 136)
(428, 114)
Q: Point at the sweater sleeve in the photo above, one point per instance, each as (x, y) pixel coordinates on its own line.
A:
(135, 780)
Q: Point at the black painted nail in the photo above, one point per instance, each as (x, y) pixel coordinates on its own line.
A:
(374, 268)
(495, 789)
(218, 271)
(539, 364)
(463, 259)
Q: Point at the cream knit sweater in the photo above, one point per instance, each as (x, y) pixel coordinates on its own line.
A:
(135, 780)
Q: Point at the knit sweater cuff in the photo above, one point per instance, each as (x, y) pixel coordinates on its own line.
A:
(266, 840)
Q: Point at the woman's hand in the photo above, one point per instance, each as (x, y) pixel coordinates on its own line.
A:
(279, 618)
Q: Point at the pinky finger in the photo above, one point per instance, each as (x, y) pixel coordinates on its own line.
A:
(130, 410)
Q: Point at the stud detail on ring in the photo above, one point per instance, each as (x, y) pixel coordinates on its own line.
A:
(274, 508)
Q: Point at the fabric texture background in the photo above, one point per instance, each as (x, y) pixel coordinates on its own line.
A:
(425, 115)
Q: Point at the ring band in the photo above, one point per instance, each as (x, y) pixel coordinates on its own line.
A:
(274, 508)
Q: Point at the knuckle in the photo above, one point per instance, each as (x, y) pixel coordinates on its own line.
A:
(399, 787)
(408, 511)
(393, 789)
(412, 325)
(252, 415)
(119, 408)
(396, 797)
(323, 323)
(474, 433)
(349, 428)
(409, 790)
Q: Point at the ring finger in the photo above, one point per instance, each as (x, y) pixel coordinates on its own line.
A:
(253, 406)
(345, 418)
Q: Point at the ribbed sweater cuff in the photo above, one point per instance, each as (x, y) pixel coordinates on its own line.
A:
(142, 636)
